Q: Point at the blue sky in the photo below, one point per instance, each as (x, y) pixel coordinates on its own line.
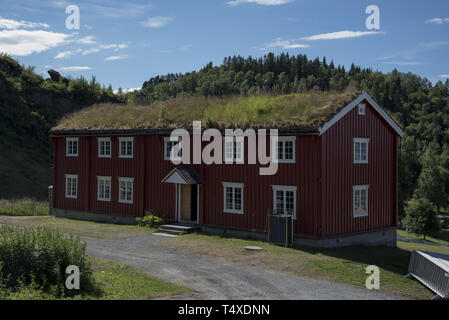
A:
(124, 43)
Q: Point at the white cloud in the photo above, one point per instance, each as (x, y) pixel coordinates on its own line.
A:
(437, 20)
(284, 44)
(127, 90)
(113, 58)
(403, 63)
(14, 24)
(66, 54)
(26, 42)
(73, 68)
(341, 35)
(86, 40)
(157, 22)
(445, 76)
(260, 2)
(114, 46)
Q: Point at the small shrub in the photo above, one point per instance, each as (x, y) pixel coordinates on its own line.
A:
(150, 220)
(39, 257)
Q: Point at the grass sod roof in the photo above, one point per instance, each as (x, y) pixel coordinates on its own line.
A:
(285, 112)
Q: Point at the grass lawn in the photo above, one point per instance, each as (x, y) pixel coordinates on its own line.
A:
(113, 281)
(80, 228)
(441, 238)
(23, 207)
(346, 265)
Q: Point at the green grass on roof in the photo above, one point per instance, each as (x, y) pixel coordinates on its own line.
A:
(270, 111)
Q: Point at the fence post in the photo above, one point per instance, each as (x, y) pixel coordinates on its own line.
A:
(50, 200)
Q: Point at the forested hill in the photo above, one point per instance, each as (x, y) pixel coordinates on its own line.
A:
(420, 107)
(29, 107)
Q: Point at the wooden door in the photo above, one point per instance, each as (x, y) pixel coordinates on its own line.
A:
(186, 202)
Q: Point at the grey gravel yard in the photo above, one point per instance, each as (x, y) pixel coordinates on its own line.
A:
(213, 279)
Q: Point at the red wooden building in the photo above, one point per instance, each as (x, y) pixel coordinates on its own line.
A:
(339, 179)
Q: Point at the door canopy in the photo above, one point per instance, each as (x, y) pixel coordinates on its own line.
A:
(182, 175)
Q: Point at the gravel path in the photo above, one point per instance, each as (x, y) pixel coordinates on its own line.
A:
(211, 279)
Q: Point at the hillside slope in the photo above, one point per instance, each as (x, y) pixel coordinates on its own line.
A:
(29, 107)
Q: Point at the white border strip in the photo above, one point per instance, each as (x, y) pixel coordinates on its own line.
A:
(352, 105)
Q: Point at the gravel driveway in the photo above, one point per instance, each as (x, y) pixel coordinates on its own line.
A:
(211, 279)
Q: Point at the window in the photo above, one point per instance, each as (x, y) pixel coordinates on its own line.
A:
(72, 147)
(126, 147)
(284, 150)
(125, 190)
(362, 109)
(104, 189)
(361, 150)
(233, 197)
(284, 200)
(234, 149)
(172, 149)
(104, 147)
(71, 186)
(360, 201)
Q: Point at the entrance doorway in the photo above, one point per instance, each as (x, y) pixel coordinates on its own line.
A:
(188, 198)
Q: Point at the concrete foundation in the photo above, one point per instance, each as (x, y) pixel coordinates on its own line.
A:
(386, 237)
(91, 216)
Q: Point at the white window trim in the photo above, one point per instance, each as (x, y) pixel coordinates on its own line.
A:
(360, 188)
(71, 176)
(234, 139)
(120, 180)
(99, 149)
(67, 140)
(166, 141)
(125, 139)
(109, 179)
(274, 149)
(233, 185)
(361, 140)
(293, 189)
(361, 109)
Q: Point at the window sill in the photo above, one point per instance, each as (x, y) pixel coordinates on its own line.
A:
(71, 197)
(360, 162)
(104, 157)
(72, 155)
(126, 157)
(233, 211)
(360, 215)
(104, 200)
(125, 202)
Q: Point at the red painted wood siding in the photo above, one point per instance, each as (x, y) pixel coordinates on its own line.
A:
(339, 174)
(148, 168)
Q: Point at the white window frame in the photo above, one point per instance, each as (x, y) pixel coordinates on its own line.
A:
(285, 189)
(109, 181)
(105, 140)
(360, 141)
(126, 139)
(125, 180)
(67, 177)
(361, 109)
(234, 140)
(233, 185)
(167, 140)
(283, 140)
(67, 140)
(365, 188)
